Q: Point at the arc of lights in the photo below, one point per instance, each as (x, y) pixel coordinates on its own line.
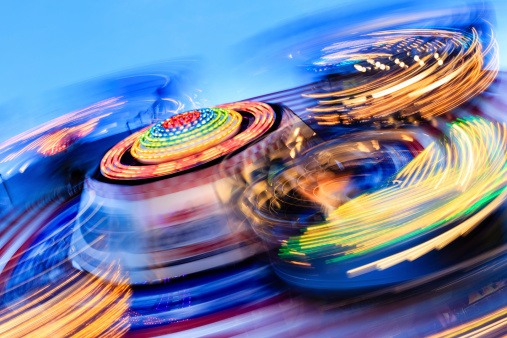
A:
(304, 192)
(457, 183)
(190, 148)
(53, 137)
(161, 144)
(81, 306)
(440, 77)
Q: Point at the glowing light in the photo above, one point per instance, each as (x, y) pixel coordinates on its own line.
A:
(469, 69)
(442, 186)
(220, 142)
(53, 136)
(80, 306)
(186, 134)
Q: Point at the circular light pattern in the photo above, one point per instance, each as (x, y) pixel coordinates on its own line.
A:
(42, 294)
(305, 191)
(189, 141)
(456, 183)
(186, 134)
(407, 71)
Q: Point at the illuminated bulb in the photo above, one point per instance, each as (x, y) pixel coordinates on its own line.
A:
(416, 57)
(421, 63)
(436, 55)
(402, 64)
(440, 62)
(382, 67)
(397, 61)
(377, 64)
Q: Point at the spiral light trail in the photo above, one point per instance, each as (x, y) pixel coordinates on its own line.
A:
(81, 306)
(307, 190)
(443, 186)
(423, 71)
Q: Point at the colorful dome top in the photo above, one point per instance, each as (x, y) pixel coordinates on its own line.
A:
(186, 134)
(187, 140)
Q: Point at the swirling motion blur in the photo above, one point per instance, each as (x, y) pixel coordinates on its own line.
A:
(316, 182)
(48, 141)
(190, 221)
(444, 185)
(81, 306)
(411, 71)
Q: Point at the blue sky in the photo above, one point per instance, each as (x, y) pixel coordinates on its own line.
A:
(47, 45)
